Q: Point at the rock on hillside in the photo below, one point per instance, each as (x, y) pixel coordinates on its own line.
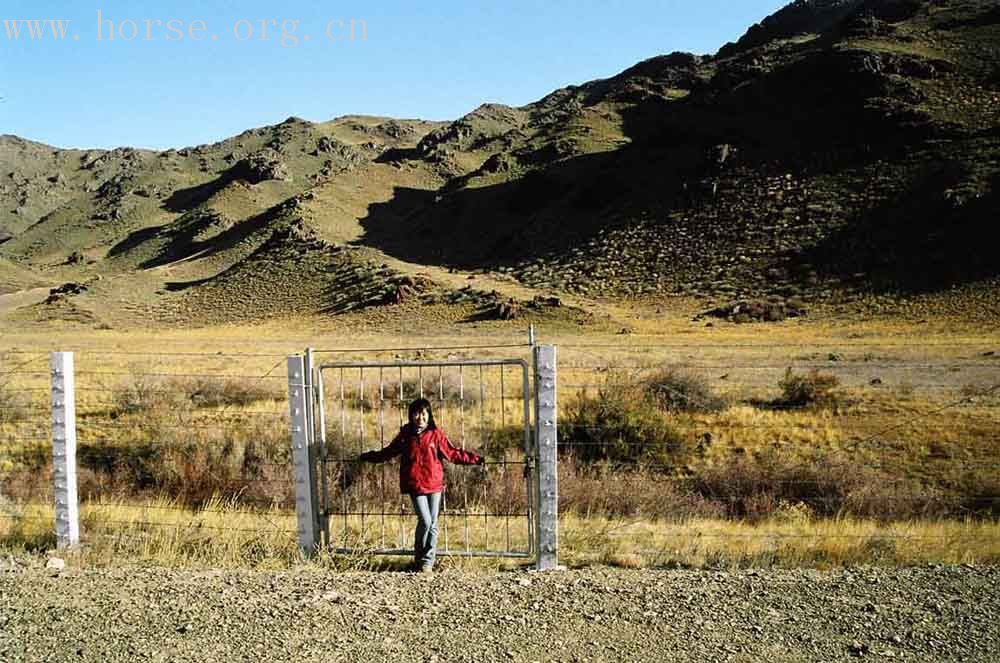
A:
(798, 18)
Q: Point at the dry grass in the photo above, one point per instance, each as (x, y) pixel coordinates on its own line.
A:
(163, 532)
(14, 407)
(225, 535)
(812, 388)
(930, 427)
(790, 539)
(142, 392)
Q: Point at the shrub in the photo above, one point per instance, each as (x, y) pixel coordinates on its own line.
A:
(142, 392)
(979, 491)
(973, 392)
(456, 389)
(206, 391)
(501, 442)
(676, 390)
(248, 459)
(621, 423)
(813, 388)
(760, 488)
(14, 407)
(601, 489)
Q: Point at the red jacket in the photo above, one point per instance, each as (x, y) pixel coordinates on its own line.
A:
(420, 468)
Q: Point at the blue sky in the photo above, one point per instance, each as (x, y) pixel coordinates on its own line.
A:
(163, 81)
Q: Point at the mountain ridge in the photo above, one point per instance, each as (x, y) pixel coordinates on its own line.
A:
(838, 150)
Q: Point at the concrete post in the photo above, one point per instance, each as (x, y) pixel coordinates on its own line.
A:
(298, 407)
(318, 420)
(546, 436)
(64, 449)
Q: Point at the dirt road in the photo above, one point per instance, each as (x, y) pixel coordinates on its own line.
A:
(928, 613)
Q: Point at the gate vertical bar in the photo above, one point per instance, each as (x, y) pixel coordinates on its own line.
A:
(546, 436)
(529, 457)
(298, 406)
(67, 504)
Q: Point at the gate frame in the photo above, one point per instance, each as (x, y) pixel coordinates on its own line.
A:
(320, 434)
(308, 433)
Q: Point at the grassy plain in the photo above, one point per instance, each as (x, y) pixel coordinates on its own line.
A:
(183, 439)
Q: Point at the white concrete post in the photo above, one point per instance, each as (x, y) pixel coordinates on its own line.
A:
(547, 438)
(312, 404)
(64, 449)
(298, 405)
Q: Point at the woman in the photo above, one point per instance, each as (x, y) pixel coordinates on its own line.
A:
(422, 447)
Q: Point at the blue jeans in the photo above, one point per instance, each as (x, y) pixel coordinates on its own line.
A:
(425, 538)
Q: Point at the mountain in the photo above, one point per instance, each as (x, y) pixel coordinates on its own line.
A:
(840, 149)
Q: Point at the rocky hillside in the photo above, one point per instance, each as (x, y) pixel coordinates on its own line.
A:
(840, 148)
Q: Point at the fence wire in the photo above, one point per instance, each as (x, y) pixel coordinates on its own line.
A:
(675, 449)
(24, 440)
(172, 448)
(668, 452)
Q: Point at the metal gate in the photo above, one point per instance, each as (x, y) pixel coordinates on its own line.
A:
(482, 405)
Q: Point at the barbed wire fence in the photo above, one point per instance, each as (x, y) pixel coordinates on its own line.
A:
(181, 450)
(667, 451)
(25, 432)
(666, 441)
(174, 451)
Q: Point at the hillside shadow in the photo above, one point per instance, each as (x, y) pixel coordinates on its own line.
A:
(185, 200)
(178, 240)
(180, 286)
(550, 210)
(135, 239)
(926, 239)
(398, 154)
(559, 206)
(817, 115)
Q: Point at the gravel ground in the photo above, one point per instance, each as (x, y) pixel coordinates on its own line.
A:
(927, 613)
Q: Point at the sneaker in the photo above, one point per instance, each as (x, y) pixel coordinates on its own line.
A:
(427, 568)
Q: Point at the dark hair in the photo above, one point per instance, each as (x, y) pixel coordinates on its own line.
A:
(417, 406)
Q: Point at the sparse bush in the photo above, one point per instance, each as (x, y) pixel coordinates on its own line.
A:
(813, 388)
(677, 390)
(445, 389)
(973, 391)
(759, 488)
(141, 392)
(204, 391)
(979, 489)
(249, 459)
(14, 407)
(502, 442)
(621, 423)
(588, 488)
(454, 388)
(144, 393)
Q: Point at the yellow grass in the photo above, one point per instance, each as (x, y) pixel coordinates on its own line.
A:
(785, 541)
(223, 535)
(924, 437)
